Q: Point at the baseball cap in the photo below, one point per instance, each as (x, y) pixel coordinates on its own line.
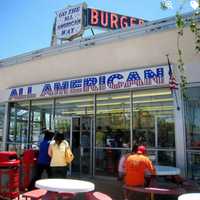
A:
(141, 149)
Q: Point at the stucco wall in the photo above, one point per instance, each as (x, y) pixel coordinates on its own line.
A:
(149, 49)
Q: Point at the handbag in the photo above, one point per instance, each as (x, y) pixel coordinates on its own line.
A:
(68, 155)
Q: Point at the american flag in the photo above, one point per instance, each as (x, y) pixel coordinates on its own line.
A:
(173, 85)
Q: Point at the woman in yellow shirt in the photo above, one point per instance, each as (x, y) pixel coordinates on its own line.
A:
(57, 152)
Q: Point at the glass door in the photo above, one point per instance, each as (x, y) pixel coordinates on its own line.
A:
(165, 140)
(81, 142)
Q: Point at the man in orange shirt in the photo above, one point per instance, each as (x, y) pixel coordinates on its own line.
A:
(135, 167)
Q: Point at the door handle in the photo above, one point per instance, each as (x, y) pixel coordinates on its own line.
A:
(81, 151)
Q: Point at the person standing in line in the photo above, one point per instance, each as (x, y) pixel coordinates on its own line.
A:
(43, 161)
(121, 165)
(57, 151)
(135, 168)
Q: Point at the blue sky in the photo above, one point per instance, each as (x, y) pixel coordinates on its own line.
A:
(26, 25)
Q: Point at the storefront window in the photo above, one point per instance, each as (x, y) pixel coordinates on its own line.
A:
(40, 119)
(153, 115)
(2, 115)
(18, 138)
(192, 119)
(68, 108)
(153, 121)
(107, 161)
(166, 158)
(99, 126)
(192, 108)
(74, 117)
(112, 129)
(194, 165)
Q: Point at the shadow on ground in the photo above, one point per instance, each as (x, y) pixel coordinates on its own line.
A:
(113, 188)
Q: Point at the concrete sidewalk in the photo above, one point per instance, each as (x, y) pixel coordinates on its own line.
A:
(113, 188)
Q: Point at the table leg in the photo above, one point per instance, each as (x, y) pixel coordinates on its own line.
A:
(50, 196)
(152, 196)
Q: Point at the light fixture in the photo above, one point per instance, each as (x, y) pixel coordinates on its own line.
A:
(151, 94)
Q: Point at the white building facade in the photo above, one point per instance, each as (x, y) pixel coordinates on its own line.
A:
(106, 93)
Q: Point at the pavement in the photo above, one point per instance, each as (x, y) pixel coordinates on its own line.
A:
(113, 188)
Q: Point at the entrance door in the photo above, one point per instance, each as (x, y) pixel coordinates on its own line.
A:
(165, 140)
(81, 140)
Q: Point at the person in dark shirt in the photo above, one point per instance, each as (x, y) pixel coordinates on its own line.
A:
(43, 160)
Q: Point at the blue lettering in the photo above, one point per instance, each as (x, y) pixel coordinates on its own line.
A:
(102, 80)
(90, 81)
(47, 90)
(29, 91)
(160, 72)
(21, 91)
(133, 76)
(76, 83)
(114, 76)
(13, 93)
(148, 74)
(59, 86)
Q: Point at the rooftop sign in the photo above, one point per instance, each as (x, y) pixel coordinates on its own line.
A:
(110, 20)
(69, 22)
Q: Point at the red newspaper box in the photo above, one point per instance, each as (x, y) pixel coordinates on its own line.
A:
(9, 175)
(28, 167)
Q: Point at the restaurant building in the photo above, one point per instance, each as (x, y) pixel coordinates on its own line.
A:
(106, 92)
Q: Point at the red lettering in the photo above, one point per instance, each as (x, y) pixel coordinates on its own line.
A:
(113, 21)
(141, 22)
(104, 19)
(123, 22)
(94, 17)
(132, 22)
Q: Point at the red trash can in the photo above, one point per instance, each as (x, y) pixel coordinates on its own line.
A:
(28, 168)
(9, 175)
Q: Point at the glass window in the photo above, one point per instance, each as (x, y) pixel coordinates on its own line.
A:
(192, 119)
(112, 131)
(70, 107)
(41, 118)
(166, 158)
(192, 108)
(107, 160)
(194, 165)
(18, 138)
(113, 120)
(152, 156)
(166, 135)
(2, 116)
(153, 119)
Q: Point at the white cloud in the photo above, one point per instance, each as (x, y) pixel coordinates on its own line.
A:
(194, 4)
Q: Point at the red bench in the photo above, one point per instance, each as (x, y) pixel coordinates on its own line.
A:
(155, 190)
(34, 194)
(97, 196)
(39, 193)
